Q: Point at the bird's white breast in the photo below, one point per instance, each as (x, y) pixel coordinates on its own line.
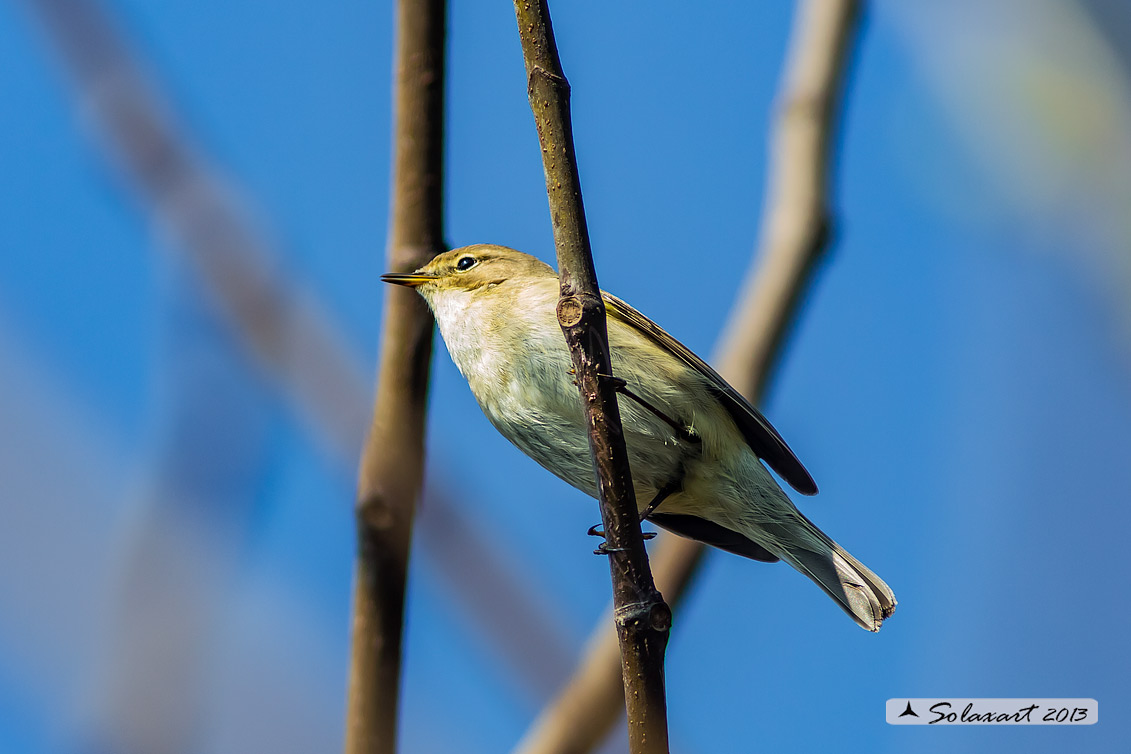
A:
(518, 366)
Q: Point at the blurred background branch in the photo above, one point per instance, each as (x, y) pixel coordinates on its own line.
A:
(795, 230)
(297, 346)
(177, 562)
(290, 334)
(392, 462)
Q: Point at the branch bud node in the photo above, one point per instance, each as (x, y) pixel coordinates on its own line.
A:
(569, 311)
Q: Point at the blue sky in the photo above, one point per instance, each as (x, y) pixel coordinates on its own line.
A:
(957, 381)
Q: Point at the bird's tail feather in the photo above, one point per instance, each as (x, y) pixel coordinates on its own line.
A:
(860, 593)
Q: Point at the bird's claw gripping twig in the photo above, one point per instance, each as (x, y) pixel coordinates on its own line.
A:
(604, 549)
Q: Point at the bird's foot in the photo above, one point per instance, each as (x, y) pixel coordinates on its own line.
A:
(603, 549)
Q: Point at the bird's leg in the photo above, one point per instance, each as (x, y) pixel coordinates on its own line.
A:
(684, 433)
(664, 493)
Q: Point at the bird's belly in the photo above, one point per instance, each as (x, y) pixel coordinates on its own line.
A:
(534, 404)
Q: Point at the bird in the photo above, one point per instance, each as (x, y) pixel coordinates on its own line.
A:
(696, 446)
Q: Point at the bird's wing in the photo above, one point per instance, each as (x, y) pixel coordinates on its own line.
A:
(760, 435)
(715, 535)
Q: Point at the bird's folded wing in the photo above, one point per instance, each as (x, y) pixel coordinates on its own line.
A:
(715, 535)
(763, 439)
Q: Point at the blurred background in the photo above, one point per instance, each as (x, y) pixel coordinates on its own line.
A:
(194, 200)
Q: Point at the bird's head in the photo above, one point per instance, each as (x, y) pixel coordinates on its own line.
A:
(472, 270)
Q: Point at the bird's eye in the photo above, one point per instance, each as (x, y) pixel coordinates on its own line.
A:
(465, 263)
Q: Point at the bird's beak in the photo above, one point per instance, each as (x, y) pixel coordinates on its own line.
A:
(411, 279)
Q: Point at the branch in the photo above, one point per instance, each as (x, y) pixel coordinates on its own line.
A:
(392, 461)
(796, 222)
(642, 619)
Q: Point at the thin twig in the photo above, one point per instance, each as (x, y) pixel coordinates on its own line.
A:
(392, 462)
(642, 619)
(796, 222)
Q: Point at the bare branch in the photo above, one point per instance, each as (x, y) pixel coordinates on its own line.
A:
(796, 222)
(642, 619)
(796, 219)
(392, 463)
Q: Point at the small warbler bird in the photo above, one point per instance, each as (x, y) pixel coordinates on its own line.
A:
(695, 445)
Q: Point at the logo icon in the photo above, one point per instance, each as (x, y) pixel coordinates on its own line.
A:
(909, 712)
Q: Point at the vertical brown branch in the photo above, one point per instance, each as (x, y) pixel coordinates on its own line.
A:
(391, 467)
(642, 619)
(796, 223)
